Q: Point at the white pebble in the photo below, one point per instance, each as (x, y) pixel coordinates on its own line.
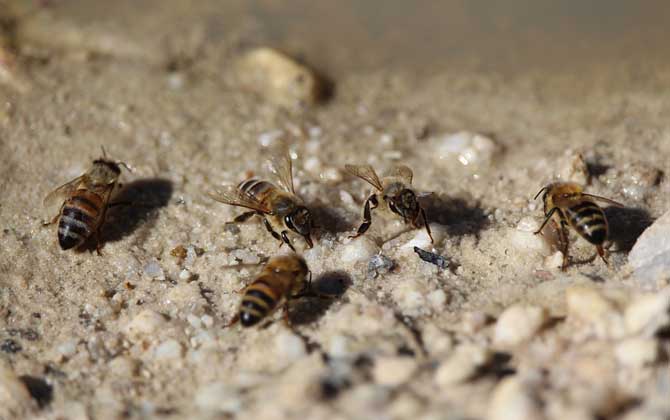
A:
(312, 164)
(590, 306)
(393, 371)
(338, 346)
(145, 323)
(269, 138)
(168, 351)
(513, 400)
(437, 299)
(153, 270)
(278, 78)
(207, 320)
(649, 313)
(185, 275)
(573, 168)
(289, 346)
(68, 348)
(359, 249)
(554, 261)
(650, 256)
(194, 321)
(518, 324)
(219, 397)
(462, 365)
(467, 148)
(637, 352)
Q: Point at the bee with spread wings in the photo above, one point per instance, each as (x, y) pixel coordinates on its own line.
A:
(85, 202)
(279, 206)
(396, 193)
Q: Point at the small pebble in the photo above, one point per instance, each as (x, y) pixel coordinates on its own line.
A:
(362, 248)
(393, 371)
(467, 148)
(207, 321)
(637, 352)
(278, 78)
(168, 351)
(437, 299)
(649, 314)
(269, 138)
(153, 270)
(518, 324)
(68, 348)
(650, 256)
(145, 323)
(461, 365)
(185, 275)
(10, 346)
(590, 306)
(289, 346)
(512, 400)
(573, 168)
(218, 397)
(378, 265)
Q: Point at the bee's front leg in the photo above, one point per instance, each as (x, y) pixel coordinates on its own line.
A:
(370, 204)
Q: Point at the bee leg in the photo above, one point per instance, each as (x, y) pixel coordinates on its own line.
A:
(286, 317)
(233, 321)
(284, 238)
(551, 213)
(98, 245)
(367, 215)
(601, 253)
(565, 243)
(425, 223)
(274, 234)
(243, 217)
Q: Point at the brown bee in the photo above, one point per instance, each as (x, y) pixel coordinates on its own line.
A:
(569, 205)
(280, 208)
(82, 213)
(396, 193)
(283, 278)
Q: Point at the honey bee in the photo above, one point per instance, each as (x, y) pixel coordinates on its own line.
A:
(283, 278)
(279, 207)
(86, 200)
(396, 193)
(568, 205)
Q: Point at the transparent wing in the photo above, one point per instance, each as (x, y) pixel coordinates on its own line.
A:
(403, 172)
(230, 194)
(604, 200)
(65, 190)
(366, 173)
(281, 166)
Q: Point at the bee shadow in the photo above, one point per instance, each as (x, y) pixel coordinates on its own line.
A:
(329, 220)
(461, 217)
(330, 286)
(626, 224)
(133, 206)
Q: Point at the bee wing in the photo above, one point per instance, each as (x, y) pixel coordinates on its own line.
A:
(230, 194)
(604, 200)
(366, 173)
(281, 166)
(63, 191)
(403, 172)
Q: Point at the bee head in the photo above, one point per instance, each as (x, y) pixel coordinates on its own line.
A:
(300, 222)
(105, 171)
(405, 204)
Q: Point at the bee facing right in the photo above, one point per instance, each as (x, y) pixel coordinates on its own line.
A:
(569, 205)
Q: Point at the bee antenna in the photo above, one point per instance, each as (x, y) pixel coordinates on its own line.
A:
(104, 153)
(539, 192)
(125, 165)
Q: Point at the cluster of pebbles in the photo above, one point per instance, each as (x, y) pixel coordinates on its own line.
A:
(400, 337)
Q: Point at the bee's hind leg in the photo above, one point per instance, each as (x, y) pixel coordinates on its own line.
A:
(243, 217)
(286, 240)
(602, 253)
(370, 204)
(233, 321)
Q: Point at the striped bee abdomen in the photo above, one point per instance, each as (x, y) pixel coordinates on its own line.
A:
(589, 221)
(78, 219)
(256, 188)
(259, 300)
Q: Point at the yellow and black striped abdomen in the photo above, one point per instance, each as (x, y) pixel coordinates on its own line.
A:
(257, 188)
(260, 300)
(588, 219)
(79, 218)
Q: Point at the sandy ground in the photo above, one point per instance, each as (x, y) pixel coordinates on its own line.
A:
(501, 333)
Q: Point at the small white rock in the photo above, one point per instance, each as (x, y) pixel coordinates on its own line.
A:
(393, 371)
(207, 320)
(437, 299)
(518, 324)
(648, 314)
(573, 168)
(68, 348)
(194, 321)
(153, 270)
(467, 148)
(512, 400)
(185, 275)
(269, 138)
(650, 256)
(168, 351)
(590, 306)
(637, 352)
(218, 396)
(289, 346)
(359, 249)
(461, 365)
(146, 322)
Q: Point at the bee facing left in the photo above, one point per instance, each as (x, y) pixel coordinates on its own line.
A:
(86, 199)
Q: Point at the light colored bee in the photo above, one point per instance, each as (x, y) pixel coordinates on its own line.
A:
(283, 278)
(86, 200)
(280, 208)
(396, 194)
(567, 204)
